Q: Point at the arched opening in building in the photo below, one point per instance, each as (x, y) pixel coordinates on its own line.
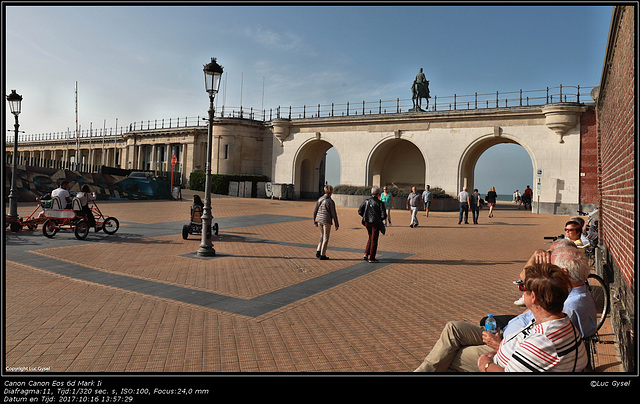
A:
(500, 163)
(310, 169)
(332, 167)
(397, 162)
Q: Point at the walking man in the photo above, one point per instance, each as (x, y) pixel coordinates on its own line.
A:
(464, 199)
(373, 216)
(474, 200)
(414, 203)
(427, 197)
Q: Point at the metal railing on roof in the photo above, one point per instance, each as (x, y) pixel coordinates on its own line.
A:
(456, 102)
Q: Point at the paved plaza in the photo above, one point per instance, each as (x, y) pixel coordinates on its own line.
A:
(142, 300)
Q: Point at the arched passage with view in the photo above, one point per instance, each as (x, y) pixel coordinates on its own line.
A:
(397, 162)
(501, 162)
(310, 168)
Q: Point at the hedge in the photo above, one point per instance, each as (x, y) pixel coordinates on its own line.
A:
(402, 192)
(220, 182)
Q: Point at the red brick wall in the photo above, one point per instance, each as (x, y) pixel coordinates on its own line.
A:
(588, 158)
(616, 146)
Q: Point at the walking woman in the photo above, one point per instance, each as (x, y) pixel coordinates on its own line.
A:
(491, 200)
(323, 215)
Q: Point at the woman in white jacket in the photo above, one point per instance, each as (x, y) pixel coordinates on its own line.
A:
(323, 216)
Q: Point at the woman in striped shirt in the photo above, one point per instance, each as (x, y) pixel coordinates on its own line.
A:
(550, 343)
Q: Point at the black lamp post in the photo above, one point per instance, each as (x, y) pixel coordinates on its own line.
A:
(15, 104)
(212, 75)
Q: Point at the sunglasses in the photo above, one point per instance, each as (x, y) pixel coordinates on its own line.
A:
(570, 229)
(521, 287)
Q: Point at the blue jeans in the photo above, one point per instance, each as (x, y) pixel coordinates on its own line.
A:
(464, 208)
(475, 213)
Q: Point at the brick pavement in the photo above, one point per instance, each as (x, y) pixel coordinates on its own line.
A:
(142, 301)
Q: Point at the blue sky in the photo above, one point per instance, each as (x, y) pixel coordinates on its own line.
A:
(145, 62)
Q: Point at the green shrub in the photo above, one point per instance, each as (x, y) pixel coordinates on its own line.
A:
(401, 192)
(220, 182)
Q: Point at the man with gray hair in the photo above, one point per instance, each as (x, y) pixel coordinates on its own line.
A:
(462, 343)
(373, 215)
(464, 199)
(414, 203)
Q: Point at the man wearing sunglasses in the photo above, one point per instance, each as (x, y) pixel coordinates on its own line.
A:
(462, 343)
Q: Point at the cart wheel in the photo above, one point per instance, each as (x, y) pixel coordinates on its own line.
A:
(49, 229)
(81, 230)
(185, 231)
(214, 229)
(110, 225)
(15, 227)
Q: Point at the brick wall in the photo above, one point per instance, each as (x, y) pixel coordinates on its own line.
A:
(616, 149)
(588, 158)
(616, 180)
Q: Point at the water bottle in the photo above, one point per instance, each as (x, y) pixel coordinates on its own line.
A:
(490, 324)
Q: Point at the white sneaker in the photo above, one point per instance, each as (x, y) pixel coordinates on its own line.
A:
(519, 302)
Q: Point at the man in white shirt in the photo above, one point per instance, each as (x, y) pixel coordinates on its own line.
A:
(63, 194)
(464, 199)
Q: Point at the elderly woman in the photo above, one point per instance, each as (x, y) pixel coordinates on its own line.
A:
(323, 216)
(550, 342)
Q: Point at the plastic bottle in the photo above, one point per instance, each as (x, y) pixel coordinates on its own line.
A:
(490, 324)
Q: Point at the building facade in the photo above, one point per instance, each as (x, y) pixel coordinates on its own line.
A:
(616, 178)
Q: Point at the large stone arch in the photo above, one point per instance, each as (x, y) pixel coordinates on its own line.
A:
(309, 168)
(470, 156)
(396, 161)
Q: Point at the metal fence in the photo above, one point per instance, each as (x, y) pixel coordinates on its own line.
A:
(510, 99)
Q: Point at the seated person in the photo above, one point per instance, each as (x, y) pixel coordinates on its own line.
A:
(579, 305)
(550, 342)
(461, 343)
(84, 196)
(197, 201)
(573, 231)
(583, 237)
(62, 192)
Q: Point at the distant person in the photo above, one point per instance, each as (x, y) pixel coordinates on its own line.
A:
(464, 199)
(491, 198)
(373, 215)
(387, 199)
(475, 204)
(323, 216)
(527, 197)
(62, 192)
(427, 197)
(413, 203)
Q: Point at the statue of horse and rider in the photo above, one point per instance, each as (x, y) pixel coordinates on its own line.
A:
(420, 89)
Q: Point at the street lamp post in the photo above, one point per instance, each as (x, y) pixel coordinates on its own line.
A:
(15, 104)
(212, 75)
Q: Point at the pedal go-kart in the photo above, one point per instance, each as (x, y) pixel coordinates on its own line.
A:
(33, 220)
(195, 225)
(72, 219)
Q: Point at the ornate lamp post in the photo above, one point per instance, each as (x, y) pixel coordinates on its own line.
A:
(212, 75)
(15, 104)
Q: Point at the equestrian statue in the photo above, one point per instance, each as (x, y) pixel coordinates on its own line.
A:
(420, 89)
